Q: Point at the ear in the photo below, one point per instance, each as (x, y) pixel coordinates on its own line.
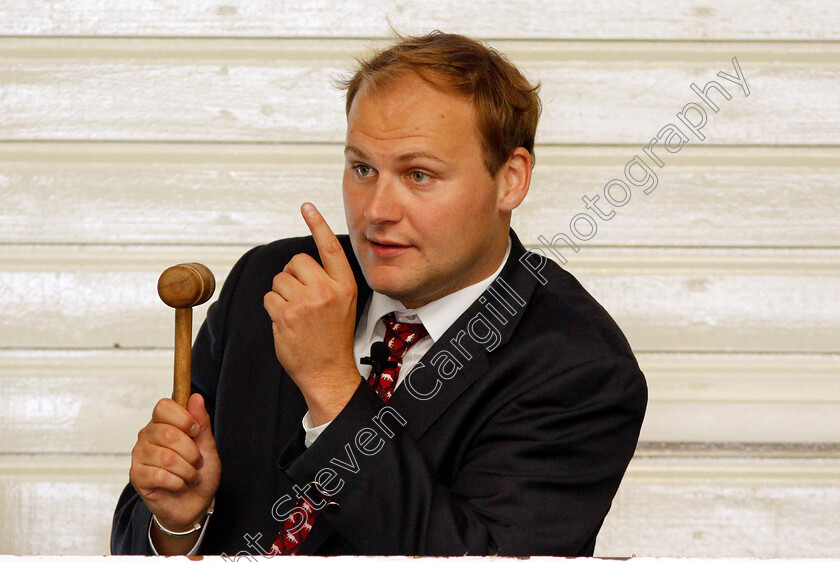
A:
(514, 179)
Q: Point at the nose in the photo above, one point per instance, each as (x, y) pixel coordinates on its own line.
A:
(383, 205)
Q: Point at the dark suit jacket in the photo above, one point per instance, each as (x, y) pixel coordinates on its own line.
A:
(516, 450)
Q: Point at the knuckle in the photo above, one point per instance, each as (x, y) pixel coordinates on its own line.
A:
(324, 295)
(165, 409)
(169, 434)
(333, 246)
(160, 477)
(287, 315)
(271, 298)
(167, 458)
(296, 261)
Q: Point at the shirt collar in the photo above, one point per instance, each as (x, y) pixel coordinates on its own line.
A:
(437, 315)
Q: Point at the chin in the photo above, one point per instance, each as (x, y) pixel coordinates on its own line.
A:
(391, 289)
(388, 285)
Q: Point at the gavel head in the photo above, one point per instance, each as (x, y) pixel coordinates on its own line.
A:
(186, 285)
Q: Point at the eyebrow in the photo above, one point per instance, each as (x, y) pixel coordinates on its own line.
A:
(401, 158)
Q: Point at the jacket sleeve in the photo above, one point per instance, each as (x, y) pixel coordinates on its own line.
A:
(538, 478)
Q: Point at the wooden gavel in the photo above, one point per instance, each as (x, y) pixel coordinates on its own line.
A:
(183, 287)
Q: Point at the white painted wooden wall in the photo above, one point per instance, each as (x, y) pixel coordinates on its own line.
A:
(135, 135)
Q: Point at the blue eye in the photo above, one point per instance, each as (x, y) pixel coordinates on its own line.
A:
(362, 170)
(419, 177)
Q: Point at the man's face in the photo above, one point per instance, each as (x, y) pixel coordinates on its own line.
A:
(422, 209)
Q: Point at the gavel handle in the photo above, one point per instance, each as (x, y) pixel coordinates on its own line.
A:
(183, 356)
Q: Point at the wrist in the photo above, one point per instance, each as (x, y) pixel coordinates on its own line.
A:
(169, 545)
(326, 403)
(193, 528)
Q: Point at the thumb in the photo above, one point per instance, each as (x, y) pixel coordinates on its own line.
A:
(196, 408)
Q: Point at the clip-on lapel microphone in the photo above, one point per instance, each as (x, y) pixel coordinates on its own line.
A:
(379, 359)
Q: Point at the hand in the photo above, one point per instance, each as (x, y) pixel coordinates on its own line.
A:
(313, 315)
(174, 464)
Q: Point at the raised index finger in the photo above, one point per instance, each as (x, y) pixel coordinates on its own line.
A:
(329, 248)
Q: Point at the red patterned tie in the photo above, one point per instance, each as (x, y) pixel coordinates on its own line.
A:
(399, 337)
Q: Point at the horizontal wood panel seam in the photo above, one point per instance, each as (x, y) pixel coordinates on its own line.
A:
(521, 51)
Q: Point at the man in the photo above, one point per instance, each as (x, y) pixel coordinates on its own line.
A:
(500, 419)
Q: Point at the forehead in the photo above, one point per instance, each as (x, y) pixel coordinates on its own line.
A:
(411, 110)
